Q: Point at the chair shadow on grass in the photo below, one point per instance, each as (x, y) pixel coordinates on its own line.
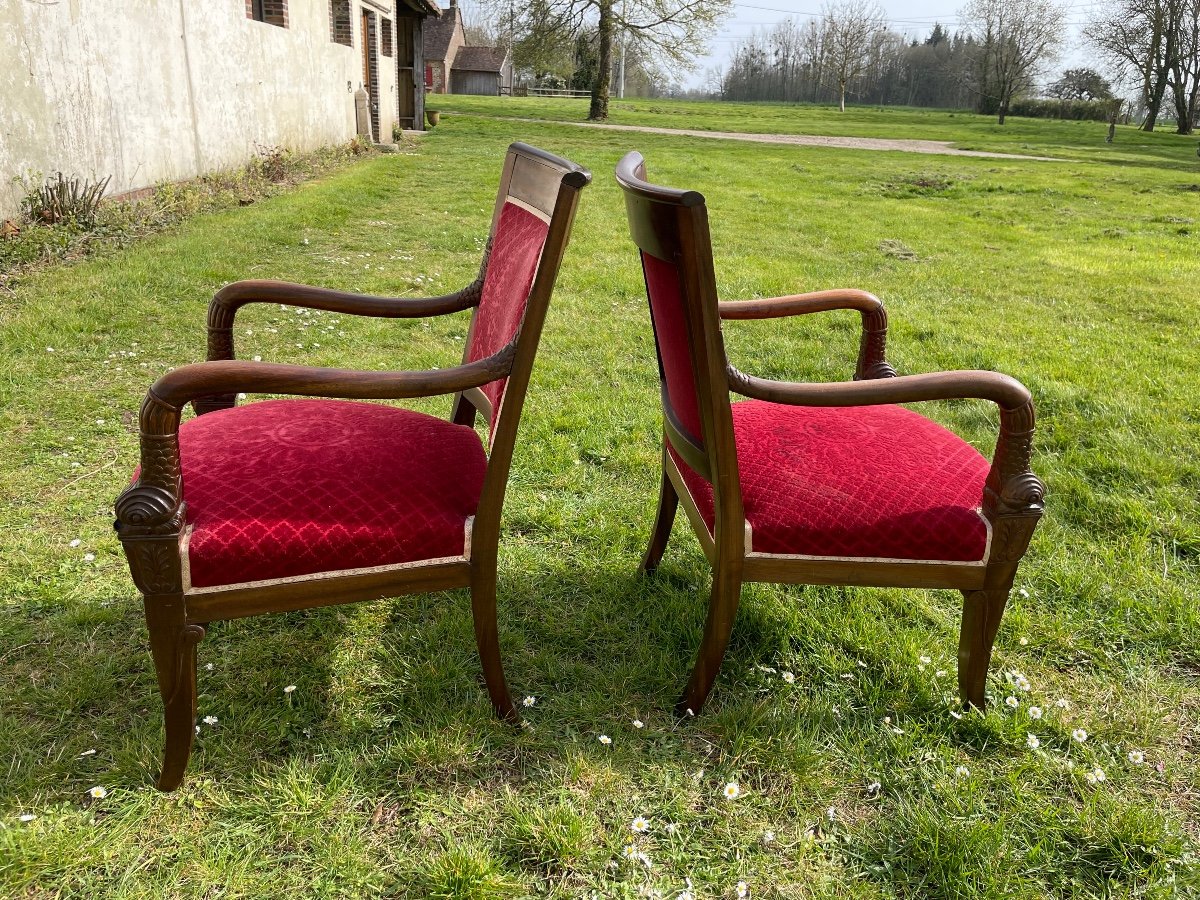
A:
(393, 688)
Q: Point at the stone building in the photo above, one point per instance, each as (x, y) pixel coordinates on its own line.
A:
(163, 90)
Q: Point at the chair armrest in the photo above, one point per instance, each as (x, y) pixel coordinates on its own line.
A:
(227, 301)
(1011, 488)
(154, 501)
(872, 348)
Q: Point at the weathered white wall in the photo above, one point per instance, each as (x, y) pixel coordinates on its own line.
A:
(157, 90)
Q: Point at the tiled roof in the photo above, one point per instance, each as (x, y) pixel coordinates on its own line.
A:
(479, 59)
(439, 31)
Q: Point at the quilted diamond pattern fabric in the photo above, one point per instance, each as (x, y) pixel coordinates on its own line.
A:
(516, 250)
(280, 488)
(866, 481)
(670, 336)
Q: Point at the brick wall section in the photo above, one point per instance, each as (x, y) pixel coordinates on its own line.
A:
(385, 37)
(273, 12)
(341, 26)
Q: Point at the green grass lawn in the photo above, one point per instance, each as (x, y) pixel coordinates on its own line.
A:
(385, 774)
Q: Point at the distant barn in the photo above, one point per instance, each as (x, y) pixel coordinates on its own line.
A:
(481, 70)
(451, 67)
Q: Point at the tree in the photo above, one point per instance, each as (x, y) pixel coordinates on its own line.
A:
(1015, 38)
(1154, 42)
(849, 29)
(674, 31)
(1081, 84)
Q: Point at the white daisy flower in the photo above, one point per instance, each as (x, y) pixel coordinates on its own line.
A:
(1137, 757)
(1062, 703)
(638, 723)
(98, 793)
(1032, 742)
(290, 689)
(732, 791)
(789, 677)
(605, 739)
(26, 817)
(940, 673)
(75, 543)
(962, 771)
(1098, 774)
(208, 667)
(1012, 702)
(768, 837)
(630, 851)
(529, 701)
(671, 827)
(1024, 642)
(742, 889)
(1035, 712)
(1089, 777)
(1024, 593)
(89, 557)
(1080, 735)
(209, 720)
(640, 825)
(874, 788)
(924, 660)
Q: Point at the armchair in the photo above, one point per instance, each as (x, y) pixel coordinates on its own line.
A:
(821, 483)
(297, 503)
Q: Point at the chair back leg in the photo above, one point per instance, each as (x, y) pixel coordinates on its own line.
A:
(173, 644)
(982, 611)
(483, 612)
(722, 610)
(668, 503)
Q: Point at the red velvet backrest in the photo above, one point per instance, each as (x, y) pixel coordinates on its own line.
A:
(516, 250)
(671, 340)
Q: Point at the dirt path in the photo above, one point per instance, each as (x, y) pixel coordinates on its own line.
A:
(804, 140)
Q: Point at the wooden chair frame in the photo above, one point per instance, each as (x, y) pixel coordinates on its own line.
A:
(151, 513)
(672, 225)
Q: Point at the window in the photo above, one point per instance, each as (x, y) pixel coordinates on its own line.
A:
(341, 28)
(385, 36)
(273, 12)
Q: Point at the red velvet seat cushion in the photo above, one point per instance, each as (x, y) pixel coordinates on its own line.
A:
(290, 487)
(867, 481)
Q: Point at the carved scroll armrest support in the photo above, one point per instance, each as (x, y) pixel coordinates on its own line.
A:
(1012, 489)
(150, 513)
(872, 348)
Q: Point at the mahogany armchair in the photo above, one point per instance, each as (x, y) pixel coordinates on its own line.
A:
(821, 483)
(297, 503)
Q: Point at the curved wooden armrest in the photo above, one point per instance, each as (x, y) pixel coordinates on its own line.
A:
(227, 301)
(154, 502)
(872, 348)
(800, 304)
(1011, 488)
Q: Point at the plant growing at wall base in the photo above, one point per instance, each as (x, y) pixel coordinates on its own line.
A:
(63, 199)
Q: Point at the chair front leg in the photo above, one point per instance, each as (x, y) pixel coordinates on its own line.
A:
(982, 611)
(722, 610)
(668, 503)
(173, 645)
(483, 611)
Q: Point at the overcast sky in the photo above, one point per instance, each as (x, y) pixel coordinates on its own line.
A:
(912, 17)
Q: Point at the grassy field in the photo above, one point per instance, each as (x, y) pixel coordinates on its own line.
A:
(967, 131)
(384, 773)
